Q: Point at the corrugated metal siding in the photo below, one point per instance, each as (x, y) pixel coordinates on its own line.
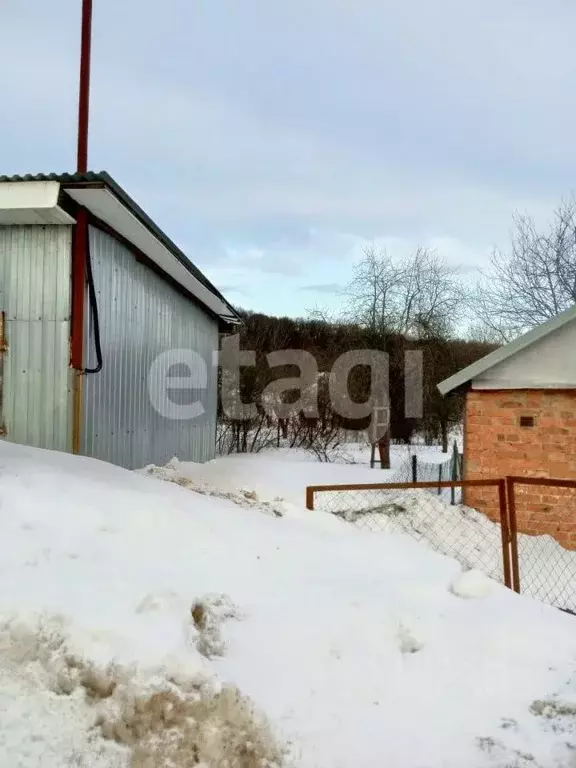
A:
(35, 295)
(142, 316)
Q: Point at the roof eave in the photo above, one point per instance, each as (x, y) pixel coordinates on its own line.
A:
(139, 213)
(501, 354)
(69, 181)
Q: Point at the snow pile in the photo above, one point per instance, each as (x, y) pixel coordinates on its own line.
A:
(39, 724)
(456, 531)
(472, 584)
(143, 623)
(548, 571)
(117, 715)
(279, 473)
(245, 497)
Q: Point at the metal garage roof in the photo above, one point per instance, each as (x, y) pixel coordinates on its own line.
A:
(107, 201)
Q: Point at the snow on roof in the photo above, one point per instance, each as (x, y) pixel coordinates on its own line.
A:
(471, 372)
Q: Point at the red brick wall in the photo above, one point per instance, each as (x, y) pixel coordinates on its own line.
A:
(496, 445)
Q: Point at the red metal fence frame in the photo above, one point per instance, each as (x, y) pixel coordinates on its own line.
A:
(508, 531)
(511, 483)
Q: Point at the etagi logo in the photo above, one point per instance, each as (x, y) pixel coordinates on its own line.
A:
(179, 379)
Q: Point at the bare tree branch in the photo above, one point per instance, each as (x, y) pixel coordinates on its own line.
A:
(534, 281)
(414, 297)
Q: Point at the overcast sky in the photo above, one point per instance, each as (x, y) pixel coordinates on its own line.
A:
(271, 139)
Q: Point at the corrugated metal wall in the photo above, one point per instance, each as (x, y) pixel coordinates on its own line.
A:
(35, 296)
(141, 317)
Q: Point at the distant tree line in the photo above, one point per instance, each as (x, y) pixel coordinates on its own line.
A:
(396, 305)
(328, 340)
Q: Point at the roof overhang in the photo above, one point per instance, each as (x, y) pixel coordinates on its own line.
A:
(104, 205)
(465, 378)
(42, 200)
(31, 202)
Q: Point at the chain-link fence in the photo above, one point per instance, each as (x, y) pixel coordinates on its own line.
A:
(415, 470)
(542, 514)
(417, 510)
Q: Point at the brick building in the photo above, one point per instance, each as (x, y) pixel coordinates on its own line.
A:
(520, 419)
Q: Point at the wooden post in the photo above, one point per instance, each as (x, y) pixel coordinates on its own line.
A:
(414, 468)
(380, 428)
(439, 478)
(384, 451)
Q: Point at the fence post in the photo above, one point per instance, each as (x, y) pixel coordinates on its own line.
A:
(505, 533)
(309, 498)
(454, 468)
(513, 533)
(414, 468)
(439, 478)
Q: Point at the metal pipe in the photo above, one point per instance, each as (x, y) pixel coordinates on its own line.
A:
(505, 534)
(309, 498)
(510, 481)
(549, 482)
(480, 483)
(79, 247)
(84, 90)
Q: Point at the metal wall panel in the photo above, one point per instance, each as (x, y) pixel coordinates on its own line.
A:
(35, 266)
(142, 316)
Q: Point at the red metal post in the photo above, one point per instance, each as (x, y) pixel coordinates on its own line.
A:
(505, 533)
(510, 481)
(79, 246)
(80, 242)
(309, 497)
(84, 92)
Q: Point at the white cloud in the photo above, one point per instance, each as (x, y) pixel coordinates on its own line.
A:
(271, 140)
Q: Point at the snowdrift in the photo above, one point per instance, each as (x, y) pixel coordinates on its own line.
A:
(147, 623)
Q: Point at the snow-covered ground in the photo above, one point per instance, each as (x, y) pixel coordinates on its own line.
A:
(350, 462)
(148, 623)
(287, 471)
(547, 570)
(358, 453)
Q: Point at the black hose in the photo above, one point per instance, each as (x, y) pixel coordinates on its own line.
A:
(93, 310)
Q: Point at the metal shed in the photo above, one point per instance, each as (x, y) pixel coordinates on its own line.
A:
(99, 311)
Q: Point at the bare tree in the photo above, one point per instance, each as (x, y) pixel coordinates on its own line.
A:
(370, 293)
(534, 281)
(322, 314)
(417, 297)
